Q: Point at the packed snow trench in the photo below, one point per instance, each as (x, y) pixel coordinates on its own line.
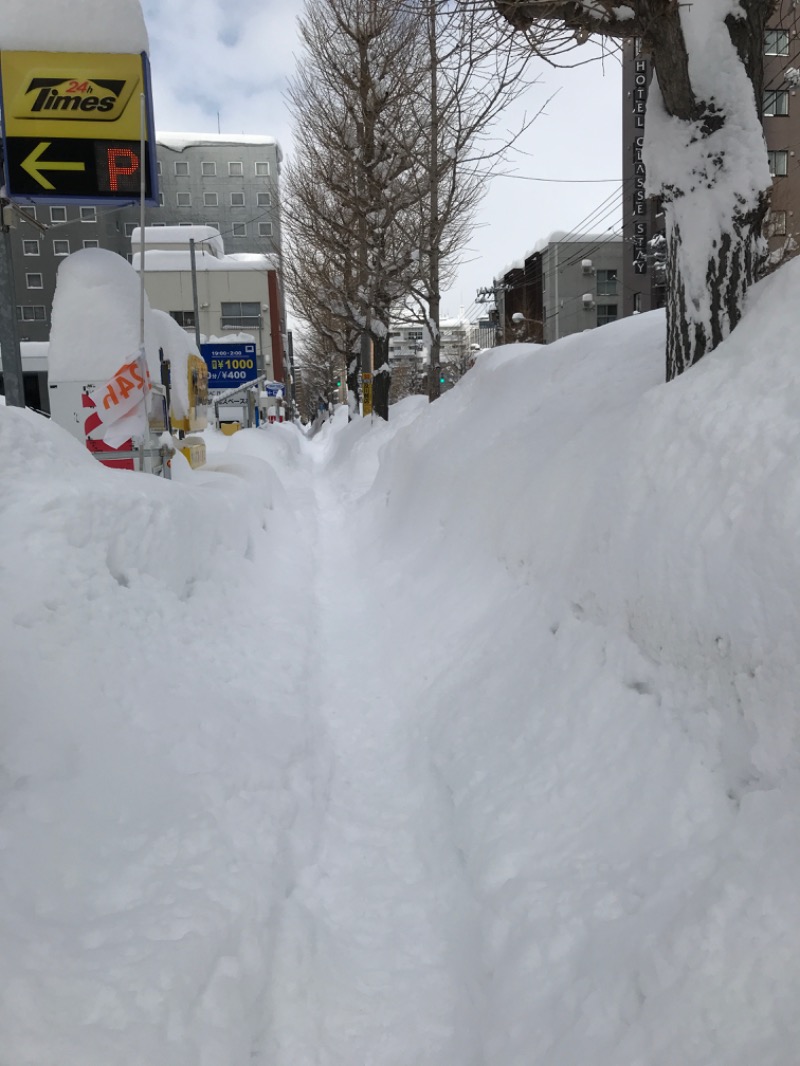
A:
(470, 739)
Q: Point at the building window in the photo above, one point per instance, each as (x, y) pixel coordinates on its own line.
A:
(262, 170)
(30, 247)
(778, 163)
(158, 168)
(776, 42)
(265, 229)
(212, 223)
(28, 214)
(32, 313)
(60, 247)
(182, 169)
(606, 313)
(264, 199)
(91, 244)
(34, 281)
(129, 257)
(776, 102)
(607, 282)
(88, 214)
(239, 229)
(237, 199)
(183, 318)
(184, 199)
(129, 228)
(161, 200)
(186, 223)
(58, 214)
(776, 224)
(637, 303)
(210, 199)
(241, 315)
(208, 170)
(235, 170)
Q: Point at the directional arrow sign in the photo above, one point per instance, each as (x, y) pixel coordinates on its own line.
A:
(72, 127)
(34, 165)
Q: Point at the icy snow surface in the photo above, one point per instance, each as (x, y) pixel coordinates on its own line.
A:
(467, 740)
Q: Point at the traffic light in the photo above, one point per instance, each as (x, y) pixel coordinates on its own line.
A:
(338, 383)
(441, 377)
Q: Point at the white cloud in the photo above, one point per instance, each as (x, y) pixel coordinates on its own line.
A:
(210, 60)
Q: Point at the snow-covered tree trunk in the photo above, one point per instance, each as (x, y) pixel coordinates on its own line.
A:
(705, 156)
(694, 326)
(703, 148)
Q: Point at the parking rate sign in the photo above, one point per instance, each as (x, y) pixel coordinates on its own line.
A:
(229, 365)
(72, 127)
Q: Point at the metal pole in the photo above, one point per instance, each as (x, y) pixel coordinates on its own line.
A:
(366, 373)
(142, 193)
(9, 337)
(193, 261)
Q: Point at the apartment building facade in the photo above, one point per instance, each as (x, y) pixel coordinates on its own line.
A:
(564, 286)
(644, 274)
(229, 182)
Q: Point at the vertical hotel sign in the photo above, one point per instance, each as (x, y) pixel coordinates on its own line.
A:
(640, 85)
(72, 127)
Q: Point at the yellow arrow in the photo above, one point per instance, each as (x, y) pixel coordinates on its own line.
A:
(34, 167)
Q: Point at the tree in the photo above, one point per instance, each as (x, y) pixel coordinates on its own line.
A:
(320, 372)
(704, 145)
(349, 191)
(473, 73)
(408, 379)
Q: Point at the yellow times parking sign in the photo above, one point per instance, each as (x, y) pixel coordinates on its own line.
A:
(72, 125)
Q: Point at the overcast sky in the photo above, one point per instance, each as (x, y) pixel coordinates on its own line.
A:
(218, 63)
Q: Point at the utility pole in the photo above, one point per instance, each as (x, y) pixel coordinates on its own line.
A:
(9, 337)
(366, 373)
(491, 295)
(193, 260)
(434, 315)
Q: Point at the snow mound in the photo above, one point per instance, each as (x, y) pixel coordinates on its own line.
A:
(467, 738)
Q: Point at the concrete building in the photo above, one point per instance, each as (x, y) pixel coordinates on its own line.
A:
(236, 294)
(229, 182)
(409, 341)
(643, 274)
(563, 286)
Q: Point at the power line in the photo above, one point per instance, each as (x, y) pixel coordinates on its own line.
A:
(560, 181)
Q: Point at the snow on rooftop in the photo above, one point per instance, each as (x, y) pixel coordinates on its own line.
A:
(74, 26)
(557, 237)
(180, 141)
(158, 259)
(206, 238)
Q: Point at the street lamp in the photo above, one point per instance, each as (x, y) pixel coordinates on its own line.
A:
(519, 320)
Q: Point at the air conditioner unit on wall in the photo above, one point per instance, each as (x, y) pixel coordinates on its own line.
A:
(586, 266)
(588, 301)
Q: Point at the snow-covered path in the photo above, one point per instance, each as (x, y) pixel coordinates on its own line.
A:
(470, 739)
(376, 934)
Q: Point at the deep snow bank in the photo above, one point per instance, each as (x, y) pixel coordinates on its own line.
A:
(470, 740)
(606, 638)
(151, 773)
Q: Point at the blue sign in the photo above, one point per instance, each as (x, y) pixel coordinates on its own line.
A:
(229, 365)
(274, 388)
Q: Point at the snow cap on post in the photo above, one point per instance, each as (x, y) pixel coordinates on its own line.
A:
(77, 26)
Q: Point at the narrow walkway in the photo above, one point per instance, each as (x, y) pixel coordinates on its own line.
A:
(372, 967)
